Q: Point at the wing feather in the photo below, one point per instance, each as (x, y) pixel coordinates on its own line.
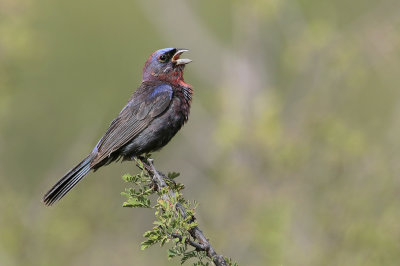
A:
(133, 119)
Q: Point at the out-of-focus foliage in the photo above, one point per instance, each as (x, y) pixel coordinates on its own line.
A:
(291, 150)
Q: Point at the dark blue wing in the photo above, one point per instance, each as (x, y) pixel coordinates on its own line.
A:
(147, 103)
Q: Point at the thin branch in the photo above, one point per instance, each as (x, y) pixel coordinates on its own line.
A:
(201, 243)
(194, 244)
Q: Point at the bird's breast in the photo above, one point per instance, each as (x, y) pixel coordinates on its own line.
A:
(160, 131)
(183, 96)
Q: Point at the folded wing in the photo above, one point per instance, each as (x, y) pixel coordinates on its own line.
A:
(143, 107)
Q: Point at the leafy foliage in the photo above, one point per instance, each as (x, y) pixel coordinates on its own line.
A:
(172, 224)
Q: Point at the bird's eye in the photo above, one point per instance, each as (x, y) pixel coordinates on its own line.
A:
(162, 58)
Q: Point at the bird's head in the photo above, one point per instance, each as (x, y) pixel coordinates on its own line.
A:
(165, 64)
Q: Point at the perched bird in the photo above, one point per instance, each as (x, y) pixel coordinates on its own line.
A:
(154, 114)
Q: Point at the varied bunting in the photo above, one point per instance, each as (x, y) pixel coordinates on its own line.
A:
(154, 114)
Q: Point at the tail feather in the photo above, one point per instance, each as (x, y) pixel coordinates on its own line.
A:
(68, 181)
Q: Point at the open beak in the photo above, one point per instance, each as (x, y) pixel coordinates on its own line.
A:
(180, 61)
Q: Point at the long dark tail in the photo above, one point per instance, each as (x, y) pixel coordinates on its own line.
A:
(68, 181)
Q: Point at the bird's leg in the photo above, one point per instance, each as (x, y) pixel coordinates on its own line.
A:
(139, 157)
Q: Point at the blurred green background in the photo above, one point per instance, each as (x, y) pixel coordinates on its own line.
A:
(291, 149)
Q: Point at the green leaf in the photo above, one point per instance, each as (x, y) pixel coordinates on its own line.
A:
(188, 255)
(139, 163)
(183, 241)
(125, 194)
(164, 240)
(173, 175)
(127, 177)
(139, 202)
(172, 253)
(146, 244)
